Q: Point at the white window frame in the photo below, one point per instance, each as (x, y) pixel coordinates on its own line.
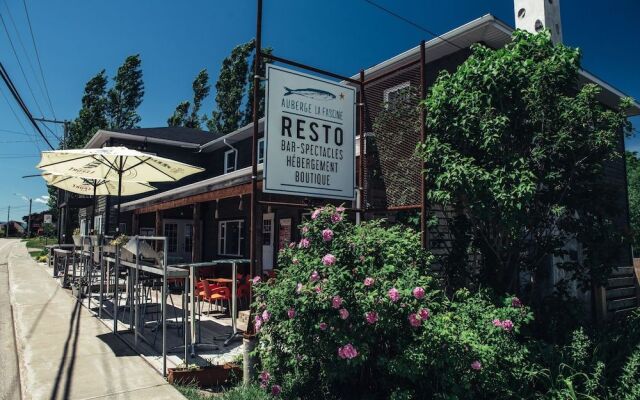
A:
(261, 142)
(235, 161)
(393, 89)
(98, 225)
(222, 233)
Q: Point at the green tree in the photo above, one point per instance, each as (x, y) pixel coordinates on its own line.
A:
(633, 187)
(184, 114)
(230, 90)
(518, 148)
(126, 95)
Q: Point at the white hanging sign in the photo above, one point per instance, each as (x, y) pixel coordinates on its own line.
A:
(310, 136)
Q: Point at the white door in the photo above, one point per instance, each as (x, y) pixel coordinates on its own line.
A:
(267, 241)
(179, 235)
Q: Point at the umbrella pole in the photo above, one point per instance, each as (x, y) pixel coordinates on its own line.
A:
(93, 210)
(119, 194)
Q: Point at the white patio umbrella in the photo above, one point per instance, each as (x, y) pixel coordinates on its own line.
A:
(117, 164)
(95, 187)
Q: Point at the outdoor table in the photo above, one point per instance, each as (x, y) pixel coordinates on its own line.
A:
(58, 254)
(234, 305)
(220, 280)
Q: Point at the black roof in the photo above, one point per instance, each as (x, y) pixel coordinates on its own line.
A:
(178, 134)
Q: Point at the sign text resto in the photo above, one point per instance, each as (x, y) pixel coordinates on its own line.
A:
(310, 136)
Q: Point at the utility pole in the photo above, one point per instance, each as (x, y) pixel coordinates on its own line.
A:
(61, 225)
(29, 220)
(8, 216)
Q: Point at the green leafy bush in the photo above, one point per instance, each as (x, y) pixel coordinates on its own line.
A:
(354, 312)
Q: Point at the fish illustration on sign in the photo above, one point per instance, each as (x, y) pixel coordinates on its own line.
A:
(311, 93)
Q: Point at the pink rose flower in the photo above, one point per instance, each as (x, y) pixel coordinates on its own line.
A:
(336, 217)
(507, 325)
(336, 302)
(315, 276)
(256, 279)
(371, 317)
(368, 281)
(318, 289)
(266, 315)
(292, 245)
(257, 322)
(424, 314)
(316, 213)
(322, 326)
(347, 352)
(305, 229)
(394, 295)
(291, 313)
(264, 376)
(304, 243)
(497, 323)
(340, 209)
(299, 288)
(327, 235)
(418, 293)
(516, 302)
(476, 365)
(329, 259)
(414, 320)
(275, 390)
(344, 314)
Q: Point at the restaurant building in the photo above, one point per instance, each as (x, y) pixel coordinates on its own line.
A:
(205, 216)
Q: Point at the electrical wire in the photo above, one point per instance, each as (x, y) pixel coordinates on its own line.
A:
(414, 24)
(24, 75)
(16, 95)
(35, 48)
(19, 122)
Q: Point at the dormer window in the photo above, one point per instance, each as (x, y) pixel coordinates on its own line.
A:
(260, 150)
(396, 93)
(230, 161)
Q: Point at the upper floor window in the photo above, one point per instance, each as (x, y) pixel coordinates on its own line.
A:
(396, 93)
(260, 150)
(230, 161)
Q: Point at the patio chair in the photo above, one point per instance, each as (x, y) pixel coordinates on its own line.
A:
(216, 295)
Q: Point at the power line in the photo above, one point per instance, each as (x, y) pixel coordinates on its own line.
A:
(414, 24)
(16, 95)
(35, 48)
(24, 75)
(19, 122)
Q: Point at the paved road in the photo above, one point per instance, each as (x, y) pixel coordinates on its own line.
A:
(64, 352)
(9, 367)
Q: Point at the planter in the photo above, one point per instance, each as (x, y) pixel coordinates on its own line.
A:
(209, 376)
(77, 240)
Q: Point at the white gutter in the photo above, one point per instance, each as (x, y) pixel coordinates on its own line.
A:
(104, 134)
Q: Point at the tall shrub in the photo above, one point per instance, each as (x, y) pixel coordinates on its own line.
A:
(354, 312)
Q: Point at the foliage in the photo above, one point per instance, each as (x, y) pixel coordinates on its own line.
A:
(188, 116)
(354, 312)
(248, 111)
(633, 188)
(124, 98)
(230, 90)
(518, 150)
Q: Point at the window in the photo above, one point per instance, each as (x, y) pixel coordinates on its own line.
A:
(83, 227)
(230, 161)
(98, 226)
(147, 231)
(260, 150)
(230, 238)
(396, 93)
(171, 232)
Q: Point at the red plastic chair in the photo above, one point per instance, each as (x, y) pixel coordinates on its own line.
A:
(212, 294)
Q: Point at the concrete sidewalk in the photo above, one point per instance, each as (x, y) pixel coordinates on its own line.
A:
(65, 352)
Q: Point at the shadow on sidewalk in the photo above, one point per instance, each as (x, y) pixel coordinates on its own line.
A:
(68, 359)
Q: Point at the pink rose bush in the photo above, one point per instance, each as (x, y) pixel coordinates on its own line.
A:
(353, 314)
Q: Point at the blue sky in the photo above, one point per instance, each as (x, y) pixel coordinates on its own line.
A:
(76, 39)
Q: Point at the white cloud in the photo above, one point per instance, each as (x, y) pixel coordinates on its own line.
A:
(40, 200)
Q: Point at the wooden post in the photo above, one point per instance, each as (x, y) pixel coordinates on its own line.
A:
(196, 248)
(158, 227)
(424, 207)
